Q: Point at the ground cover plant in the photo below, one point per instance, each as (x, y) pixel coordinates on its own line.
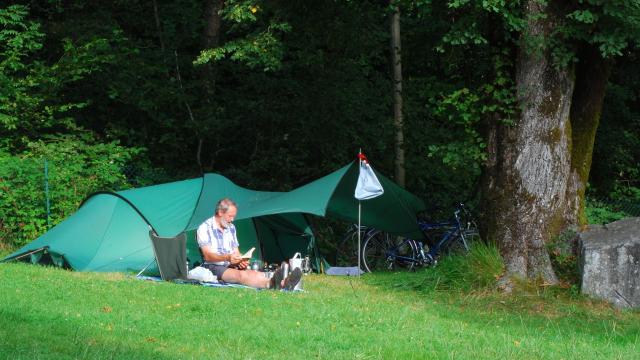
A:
(49, 313)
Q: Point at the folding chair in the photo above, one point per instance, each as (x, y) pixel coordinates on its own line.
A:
(171, 255)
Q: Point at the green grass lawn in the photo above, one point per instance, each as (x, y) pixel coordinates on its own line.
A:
(56, 314)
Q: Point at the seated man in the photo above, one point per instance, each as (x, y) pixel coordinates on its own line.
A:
(219, 244)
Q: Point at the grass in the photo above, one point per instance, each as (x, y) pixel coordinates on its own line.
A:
(48, 313)
(4, 250)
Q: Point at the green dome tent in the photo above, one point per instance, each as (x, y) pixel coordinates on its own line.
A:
(110, 231)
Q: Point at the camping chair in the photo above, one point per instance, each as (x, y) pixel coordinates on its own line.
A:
(171, 255)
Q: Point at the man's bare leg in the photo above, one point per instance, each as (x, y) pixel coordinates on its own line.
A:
(251, 278)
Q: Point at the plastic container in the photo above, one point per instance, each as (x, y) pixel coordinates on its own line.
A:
(296, 262)
(306, 265)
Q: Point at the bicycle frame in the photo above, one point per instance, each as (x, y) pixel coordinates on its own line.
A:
(455, 231)
(410, 252)
(423, 258)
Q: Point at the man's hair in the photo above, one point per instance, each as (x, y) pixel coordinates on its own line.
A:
(224, 204)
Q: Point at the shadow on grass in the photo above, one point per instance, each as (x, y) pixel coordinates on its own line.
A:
(26, 335)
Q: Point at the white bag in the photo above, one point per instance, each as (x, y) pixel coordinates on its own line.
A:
(202, 274)
(296, 262)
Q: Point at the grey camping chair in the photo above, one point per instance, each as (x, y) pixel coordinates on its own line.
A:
(171, 255)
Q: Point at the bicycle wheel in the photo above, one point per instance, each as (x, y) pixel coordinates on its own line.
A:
(384, 252)
(347, 249)
(456, 244)
(471, 236)
(405, 253)
(467, 234)
(374, 252)
(470, 233)
(461, 241)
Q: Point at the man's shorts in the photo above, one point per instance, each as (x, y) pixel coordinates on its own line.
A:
(217, 270)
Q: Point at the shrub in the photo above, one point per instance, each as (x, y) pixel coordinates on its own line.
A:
(77, 167)
(480, 269)
(601, 212)
(563, 255)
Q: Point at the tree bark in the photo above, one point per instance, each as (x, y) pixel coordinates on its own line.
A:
(156, 16)
(592, 75)
(525, 188)
(398, 119)
(211, 39)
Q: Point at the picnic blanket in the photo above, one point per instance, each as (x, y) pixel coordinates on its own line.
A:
(195, 282)
(207, 284)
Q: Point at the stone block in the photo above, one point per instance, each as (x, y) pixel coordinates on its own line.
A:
(610, 262)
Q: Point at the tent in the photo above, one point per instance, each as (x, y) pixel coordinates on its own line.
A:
(110, 231)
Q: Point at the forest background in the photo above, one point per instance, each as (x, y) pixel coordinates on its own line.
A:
(120, 94)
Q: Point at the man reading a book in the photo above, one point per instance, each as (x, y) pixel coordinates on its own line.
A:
(220, 249)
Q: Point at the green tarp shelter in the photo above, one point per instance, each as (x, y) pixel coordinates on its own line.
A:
(110, 231)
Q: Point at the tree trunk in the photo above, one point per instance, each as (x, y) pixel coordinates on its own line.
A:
(213, 21)
(398, 120)
(156, 16)
(528, 174)
(210, 39)
(592, 75)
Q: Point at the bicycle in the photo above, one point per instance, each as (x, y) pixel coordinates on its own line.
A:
(347, 249)
(382, 251)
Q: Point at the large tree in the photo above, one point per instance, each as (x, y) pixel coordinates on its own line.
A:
(538, 167)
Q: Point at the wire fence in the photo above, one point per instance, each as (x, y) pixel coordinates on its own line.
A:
(604, 209)
(145, 176)
(38, 193)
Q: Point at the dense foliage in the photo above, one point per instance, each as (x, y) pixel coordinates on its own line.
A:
(75, 168)
(293, 90)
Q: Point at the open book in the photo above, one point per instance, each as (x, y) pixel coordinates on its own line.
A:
(248, 254)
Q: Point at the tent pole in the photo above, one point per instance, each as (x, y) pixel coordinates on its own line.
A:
(145, 268)
(359, 215)
(359, 235)
(46, 193)
(27, 254)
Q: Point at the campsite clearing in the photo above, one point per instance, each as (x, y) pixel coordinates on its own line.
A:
(52, 313)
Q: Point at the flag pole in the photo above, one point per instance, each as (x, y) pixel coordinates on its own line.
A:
(367, 187)
(359, 214)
